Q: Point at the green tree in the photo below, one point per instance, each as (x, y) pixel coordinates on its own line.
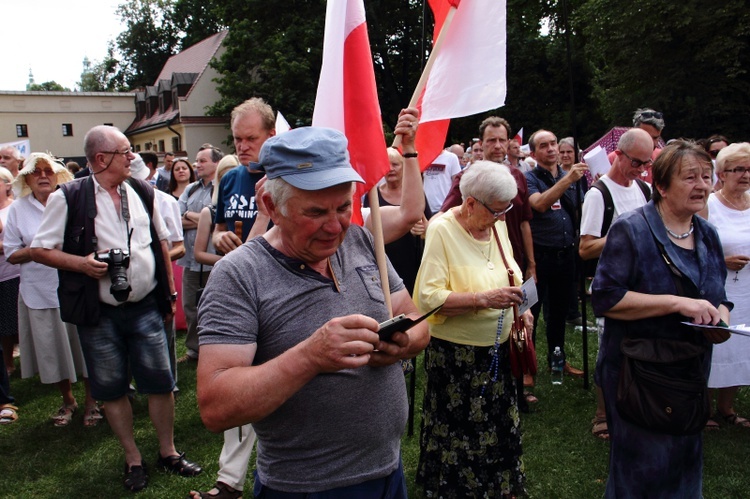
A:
(103, 76)
(149, 39)
(682, 58)
(47, 86)
(196, 20)
(274, 51)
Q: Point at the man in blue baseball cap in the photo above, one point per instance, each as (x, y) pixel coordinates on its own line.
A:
(294, 349)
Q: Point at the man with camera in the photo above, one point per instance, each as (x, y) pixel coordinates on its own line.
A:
(105, 235)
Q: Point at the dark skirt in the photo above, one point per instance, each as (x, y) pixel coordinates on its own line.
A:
(9, 307)
(470, 441)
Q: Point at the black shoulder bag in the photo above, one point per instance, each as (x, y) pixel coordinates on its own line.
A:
(662, 386)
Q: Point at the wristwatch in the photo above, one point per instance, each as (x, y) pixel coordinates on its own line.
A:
(173, 297)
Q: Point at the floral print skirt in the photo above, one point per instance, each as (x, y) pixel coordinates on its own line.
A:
(471, 438)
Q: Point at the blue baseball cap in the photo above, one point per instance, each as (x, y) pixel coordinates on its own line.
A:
(308, 158)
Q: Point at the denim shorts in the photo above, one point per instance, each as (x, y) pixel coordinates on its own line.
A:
(128, 336)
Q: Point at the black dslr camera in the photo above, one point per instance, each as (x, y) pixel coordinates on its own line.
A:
(118, 261)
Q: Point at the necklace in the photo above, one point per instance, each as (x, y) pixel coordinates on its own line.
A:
(675, 235)
(490, 265)
(684, 235)
(721, 192)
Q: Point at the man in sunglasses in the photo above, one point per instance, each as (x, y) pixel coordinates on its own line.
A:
(652, 122)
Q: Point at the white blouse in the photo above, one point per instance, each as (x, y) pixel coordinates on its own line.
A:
(38, 285)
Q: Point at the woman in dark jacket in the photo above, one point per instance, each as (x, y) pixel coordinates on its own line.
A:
(639, 295)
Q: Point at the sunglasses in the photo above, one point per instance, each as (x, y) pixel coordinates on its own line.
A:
(637, 163)
(47, 171)
(714, 153)
(652, 114)
(496, 214)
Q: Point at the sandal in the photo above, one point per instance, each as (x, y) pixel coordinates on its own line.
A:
(64, 415)
(92, 417)
(136, 477)
(223, 491)
(734, 419)
(599, 428)
(8, 414)
(179, 465)
(711, 425)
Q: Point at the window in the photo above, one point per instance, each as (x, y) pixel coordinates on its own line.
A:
(175, 144)
(22, 130)
(161, 146)
(67, 129)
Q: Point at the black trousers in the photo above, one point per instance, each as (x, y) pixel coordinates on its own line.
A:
(555, 270)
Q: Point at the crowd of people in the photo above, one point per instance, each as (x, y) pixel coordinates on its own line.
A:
(93, 270)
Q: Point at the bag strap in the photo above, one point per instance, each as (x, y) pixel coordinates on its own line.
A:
(517, 321)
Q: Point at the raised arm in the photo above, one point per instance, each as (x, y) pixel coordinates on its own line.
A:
(398, 220)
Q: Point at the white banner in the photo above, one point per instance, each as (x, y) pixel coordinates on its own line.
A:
(23, 146)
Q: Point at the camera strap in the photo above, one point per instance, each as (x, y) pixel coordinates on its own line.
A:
(125, 210)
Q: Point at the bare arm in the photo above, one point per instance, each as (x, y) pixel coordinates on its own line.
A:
(463, 303)
(233, 392)
(398, 220)
(65, 261)
(20, 256)
(190, 220)
(177, 251)
(591, 247)
(201, 240)
(528, 248)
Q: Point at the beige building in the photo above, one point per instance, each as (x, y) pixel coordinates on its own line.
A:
(57, 121)
(169, 116)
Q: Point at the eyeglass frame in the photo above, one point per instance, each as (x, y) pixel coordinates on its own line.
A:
(495, 214)
(651, 114)
(637, 163)
(37, 172)
(744, 170)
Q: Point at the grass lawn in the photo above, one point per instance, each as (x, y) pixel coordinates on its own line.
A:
(562, 458)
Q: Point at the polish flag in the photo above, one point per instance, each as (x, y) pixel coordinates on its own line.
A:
(466, 69)
(519, 137)
(347, 97)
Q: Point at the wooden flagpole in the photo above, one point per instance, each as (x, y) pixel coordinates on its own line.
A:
(377, 222)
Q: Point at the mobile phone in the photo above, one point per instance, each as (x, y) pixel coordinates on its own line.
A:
(401, 323)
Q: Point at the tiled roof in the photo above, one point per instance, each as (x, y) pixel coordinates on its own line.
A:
(193, 59)
(185, 67)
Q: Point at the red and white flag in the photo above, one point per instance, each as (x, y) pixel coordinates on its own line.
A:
(347, 97)
(519, 137)
(467, 74)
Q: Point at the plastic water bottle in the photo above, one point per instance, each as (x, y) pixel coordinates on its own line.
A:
(558, 364)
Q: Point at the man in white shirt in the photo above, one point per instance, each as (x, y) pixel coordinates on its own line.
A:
(438, 177)
(125, 297)
(625, 187)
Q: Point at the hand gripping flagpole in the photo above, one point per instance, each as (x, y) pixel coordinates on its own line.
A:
(372, 195)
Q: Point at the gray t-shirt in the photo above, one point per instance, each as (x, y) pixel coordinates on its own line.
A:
(342, 428)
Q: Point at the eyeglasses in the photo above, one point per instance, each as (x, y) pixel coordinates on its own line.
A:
(714, 153)
(637, 163)
(738, 169)
(496, 214)
(124, 153)
(47, 171)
